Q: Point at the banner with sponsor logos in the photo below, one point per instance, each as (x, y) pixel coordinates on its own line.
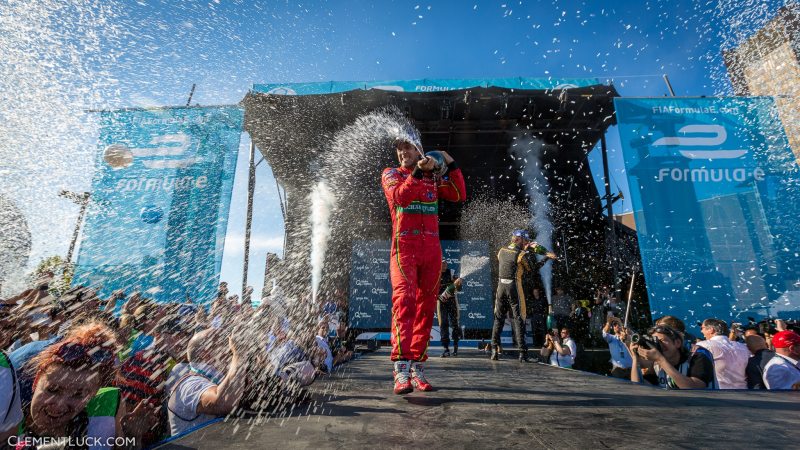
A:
(159, 203)
(423, 85)
(371, 288)
(716, 199)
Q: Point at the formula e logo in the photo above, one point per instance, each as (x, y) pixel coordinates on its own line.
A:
(711, 135)
(705, 136)
(119, 156)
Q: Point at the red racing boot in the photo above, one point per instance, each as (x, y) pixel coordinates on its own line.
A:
(402, 378)
(418, 377)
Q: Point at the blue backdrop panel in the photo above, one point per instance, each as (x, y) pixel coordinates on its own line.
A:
(160, 201)
(423, 85)
(371, 288)
(716, 201)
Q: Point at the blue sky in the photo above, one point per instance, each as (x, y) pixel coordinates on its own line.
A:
(150, 52)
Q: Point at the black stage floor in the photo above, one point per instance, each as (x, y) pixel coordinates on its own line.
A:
(507, 404)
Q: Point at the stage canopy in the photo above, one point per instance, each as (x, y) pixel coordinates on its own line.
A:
(477, 122)
(474, 120)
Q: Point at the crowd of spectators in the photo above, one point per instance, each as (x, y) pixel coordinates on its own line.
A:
(95, 370)
(726, 356)
(126, 371)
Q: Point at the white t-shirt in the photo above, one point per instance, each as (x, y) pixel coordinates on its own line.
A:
(184, 396)
(559, 360)
(782, 372)
(730, 361)
(10, 408)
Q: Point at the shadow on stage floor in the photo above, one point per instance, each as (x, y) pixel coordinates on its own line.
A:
(484, 404)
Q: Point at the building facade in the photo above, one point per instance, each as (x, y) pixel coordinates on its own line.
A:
(768, 64)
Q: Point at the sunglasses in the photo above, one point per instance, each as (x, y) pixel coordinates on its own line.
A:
(77, 352)
(672, 333)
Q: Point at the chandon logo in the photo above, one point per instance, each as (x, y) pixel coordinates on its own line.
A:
(282, 90)
(705, 136)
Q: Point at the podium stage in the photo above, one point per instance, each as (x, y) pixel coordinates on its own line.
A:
(484, 404)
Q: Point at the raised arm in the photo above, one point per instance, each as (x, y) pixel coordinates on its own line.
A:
(221, 399)
(452, 187)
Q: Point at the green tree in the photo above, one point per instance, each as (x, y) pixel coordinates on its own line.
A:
(62, 273)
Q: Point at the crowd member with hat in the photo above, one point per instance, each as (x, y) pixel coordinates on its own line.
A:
(413, 192)
(514, 261)
(783, 370)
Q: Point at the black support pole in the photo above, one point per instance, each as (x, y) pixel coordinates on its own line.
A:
(669, 86)
(251, 185)
(84, 203)
(611, 235)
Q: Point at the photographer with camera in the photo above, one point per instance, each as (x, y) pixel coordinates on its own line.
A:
(563, 350)
(673, 367)
(620, 356)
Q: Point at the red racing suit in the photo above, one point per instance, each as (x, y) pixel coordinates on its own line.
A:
(416, 254)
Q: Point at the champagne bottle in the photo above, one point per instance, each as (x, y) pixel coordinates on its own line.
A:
(447, 294)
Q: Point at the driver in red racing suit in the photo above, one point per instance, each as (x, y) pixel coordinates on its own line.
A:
(413, 195)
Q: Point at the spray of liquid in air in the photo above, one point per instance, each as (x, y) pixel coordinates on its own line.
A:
(322, 204)
(528, 153)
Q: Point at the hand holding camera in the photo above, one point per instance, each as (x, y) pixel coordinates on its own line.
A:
(646, 347)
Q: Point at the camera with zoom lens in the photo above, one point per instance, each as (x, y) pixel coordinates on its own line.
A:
(646, 341)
